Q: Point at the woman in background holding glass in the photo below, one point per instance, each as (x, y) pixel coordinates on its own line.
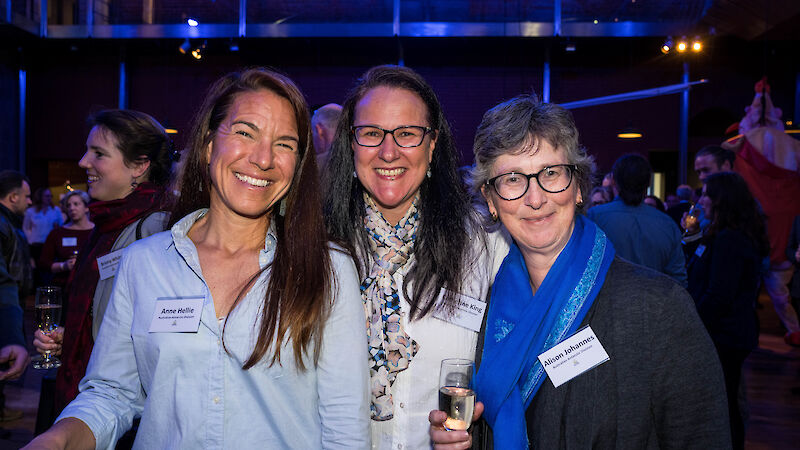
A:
(61, 248)
(393, 193)
(241, 327)
(660, 388)
(127, 162)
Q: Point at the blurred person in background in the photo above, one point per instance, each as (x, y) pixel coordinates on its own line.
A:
(40, 219)
(724, 274)
(323, 127)
(61, 248)
(655, 202)
(600, 196)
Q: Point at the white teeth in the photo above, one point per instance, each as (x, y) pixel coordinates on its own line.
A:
(390, 172)
(251, 180)
(92, 178)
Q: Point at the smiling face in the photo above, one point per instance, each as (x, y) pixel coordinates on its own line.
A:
(392, 174)
(76, 209)
(253, 155)
(540, 222)
(109, 178)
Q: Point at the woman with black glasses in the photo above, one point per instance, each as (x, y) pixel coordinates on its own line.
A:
(579, 349)
(393, 193)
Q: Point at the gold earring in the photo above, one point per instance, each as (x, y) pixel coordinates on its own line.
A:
(494, 216)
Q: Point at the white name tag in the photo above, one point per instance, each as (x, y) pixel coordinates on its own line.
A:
(468, 312)
(69, 242)
(109, 264)
(177, 314)
(573, 356)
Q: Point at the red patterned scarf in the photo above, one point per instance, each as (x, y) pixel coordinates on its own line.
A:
(110, 218)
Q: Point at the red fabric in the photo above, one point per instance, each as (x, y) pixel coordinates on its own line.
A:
(54, 251)
(110, 219)
(778, 191)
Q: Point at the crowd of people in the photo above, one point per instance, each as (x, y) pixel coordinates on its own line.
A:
(298, 280)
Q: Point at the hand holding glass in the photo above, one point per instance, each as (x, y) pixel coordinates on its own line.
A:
(690, 221)
(456, 394)
(48, 315)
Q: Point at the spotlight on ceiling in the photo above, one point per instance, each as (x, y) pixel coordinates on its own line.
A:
(197, 53)
(682, 45)
(667, 45)
(192, 22)
(233, 46)
(697, 45)
(185, 47)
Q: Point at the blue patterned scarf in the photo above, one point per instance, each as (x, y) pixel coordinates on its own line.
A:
(521, 325)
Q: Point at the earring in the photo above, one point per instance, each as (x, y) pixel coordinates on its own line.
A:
(282, 209)
(355, 175)
(134, 183)
(428, 173)
(579, 204)
(494, 216)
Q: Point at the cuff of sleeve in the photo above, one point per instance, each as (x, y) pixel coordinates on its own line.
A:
(101, 429)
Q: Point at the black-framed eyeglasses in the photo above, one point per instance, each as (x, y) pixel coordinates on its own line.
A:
(552, 179)
(405, 136)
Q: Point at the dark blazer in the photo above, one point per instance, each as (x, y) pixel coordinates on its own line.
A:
(791, 248)
(661, 388)
(724, 282)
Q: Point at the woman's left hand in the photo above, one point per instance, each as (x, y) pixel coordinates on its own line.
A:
(457, 439)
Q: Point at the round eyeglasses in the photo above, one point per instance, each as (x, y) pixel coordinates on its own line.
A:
(552, 179)
(405, 136)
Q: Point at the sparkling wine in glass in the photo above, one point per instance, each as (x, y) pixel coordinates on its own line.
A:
(456, 394)
(691, 218)
(48, 316)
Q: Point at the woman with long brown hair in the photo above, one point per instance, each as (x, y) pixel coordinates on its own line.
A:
(237, 328)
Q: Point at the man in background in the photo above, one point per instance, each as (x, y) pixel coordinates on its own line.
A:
(640, 234)
(16, 280)
(323, 129)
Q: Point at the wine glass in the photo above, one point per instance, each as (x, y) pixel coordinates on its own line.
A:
(456, 394)
(48, 315)
(691, 219)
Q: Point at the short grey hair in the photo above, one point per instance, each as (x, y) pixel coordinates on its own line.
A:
(327, 115)
(516, 126)
(83, 195)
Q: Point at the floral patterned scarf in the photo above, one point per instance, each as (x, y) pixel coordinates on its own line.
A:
(390, 348)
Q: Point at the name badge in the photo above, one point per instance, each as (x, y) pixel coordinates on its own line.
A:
(177, 314)
(573, 356)
(69, 242)
(109, 264)
(468, 312)
(700, 249)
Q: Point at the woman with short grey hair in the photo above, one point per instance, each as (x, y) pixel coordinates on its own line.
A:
(625, 353)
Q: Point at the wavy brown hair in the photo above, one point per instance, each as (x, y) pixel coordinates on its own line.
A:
(735, 208)
(298, 300)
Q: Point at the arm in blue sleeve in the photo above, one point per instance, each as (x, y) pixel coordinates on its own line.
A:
(111, 393)
(676, 268)
(342, 383)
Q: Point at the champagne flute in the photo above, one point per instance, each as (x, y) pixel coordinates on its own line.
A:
(691, 219)
(48, 315)
(456, 394)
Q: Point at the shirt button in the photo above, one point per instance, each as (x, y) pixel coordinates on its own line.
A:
(399, 445)
(402, 405)
(216, 400)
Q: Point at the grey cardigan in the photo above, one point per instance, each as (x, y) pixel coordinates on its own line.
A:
(146, 226)
(661, 388)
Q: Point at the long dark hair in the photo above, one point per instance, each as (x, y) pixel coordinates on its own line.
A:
(297, 301)
(733, 207)
(446, 219)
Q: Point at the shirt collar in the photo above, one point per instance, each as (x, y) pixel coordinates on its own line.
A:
(181, 229)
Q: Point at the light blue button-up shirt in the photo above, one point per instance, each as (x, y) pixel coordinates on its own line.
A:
(190, 392)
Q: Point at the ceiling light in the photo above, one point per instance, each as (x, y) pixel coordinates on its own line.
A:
(197, 53)
(682, 46)
(697, 45)
(185, 46)
(192, 22)
(629, 132)
(667, 45)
